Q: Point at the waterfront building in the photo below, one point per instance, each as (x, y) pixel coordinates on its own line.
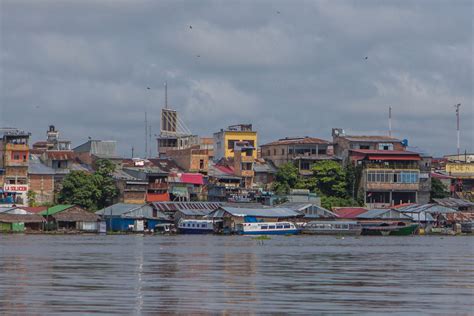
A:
(461, 169)
(94, 149)
(230, 217)
(17, 219)
(41, 181)
(390, 175)
(225, 139)
(131, 190)
(14, 162)
(70, 217)
(302, 151)
(131, 217)
(176, 210)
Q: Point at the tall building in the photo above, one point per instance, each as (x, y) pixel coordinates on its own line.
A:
(174, 135)
(14, 161)
(225, 140)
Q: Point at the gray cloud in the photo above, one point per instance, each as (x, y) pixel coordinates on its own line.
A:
(85, 65)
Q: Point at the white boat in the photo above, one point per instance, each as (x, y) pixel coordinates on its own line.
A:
(195, 226)
(264, 228)
(332, 228)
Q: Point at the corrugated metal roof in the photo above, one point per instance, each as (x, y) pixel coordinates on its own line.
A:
(193, 212)
(275, 212)
(14, 218)
(56, 209)
(131, 211)
(365, 138)
(298, 141)
(349, 212)
(455, 203)
(35, 166)
(176, 206)
(383, 214)
(60, 154)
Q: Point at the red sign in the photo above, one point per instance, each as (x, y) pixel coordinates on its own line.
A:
(16, 188)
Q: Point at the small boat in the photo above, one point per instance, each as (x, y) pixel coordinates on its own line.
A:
(390, 229)
(195, 226)
(264, 228)
(332, 228)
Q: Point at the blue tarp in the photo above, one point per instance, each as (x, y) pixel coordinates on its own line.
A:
(250, 219)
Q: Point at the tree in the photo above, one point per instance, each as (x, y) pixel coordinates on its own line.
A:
(105, 182)
(286, 178)
(31, 195)
(330, 178)
(328, 202)
(91, 191)
(438, 189)
(80, 188)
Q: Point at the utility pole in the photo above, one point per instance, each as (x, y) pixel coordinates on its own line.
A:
(457, 106)
(390, 121)
(166, 95)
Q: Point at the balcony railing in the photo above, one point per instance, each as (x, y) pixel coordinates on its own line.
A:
(392, 186)
(158, 186)
(391, 166)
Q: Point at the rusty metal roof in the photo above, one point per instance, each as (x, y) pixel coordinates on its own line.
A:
(298, 141)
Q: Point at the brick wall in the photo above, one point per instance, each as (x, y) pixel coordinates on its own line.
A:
(43, 185)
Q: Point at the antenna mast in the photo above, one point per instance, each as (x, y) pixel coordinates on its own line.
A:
(457, 106)
(146, 136)
(166, 95)
(390, 121)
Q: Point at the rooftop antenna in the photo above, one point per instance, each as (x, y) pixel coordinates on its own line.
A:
(166, 95)
(149, 138)
(457, 106)
(146, 136)
(390, 121)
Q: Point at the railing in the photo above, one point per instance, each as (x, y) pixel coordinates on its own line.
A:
(414, 166)
(392, 186)
(158, 186)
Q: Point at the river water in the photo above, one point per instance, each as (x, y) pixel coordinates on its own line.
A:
(235, 275)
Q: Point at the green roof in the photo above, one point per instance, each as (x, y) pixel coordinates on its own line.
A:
(56, 209)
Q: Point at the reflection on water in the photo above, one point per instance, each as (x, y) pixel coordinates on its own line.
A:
(208, 274)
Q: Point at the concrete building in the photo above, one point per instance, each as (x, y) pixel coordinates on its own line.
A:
(344, 143)
(224, 140)
(302, 151)
(41, 181)
(14, 161)
(193, 159)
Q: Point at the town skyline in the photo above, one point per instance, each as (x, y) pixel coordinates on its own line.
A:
(288, 71)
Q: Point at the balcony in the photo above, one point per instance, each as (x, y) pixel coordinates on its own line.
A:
(158, 186)
(393, 166)
(247, 173)
(390, 186)
(16, 147)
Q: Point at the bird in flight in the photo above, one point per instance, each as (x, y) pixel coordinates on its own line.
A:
(198, 56)
(190, 26)
(278, 12)
(366, 57)
(148, 88)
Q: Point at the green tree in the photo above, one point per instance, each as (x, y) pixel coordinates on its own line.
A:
(330, 178)
(438, 189)
(105, 182)
(80, 188)
(31, 195)
(286, 178)
(328, 202)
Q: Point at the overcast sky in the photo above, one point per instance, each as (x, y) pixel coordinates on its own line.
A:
(291, 68)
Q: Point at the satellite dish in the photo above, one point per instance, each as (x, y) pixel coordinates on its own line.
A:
(405, 142)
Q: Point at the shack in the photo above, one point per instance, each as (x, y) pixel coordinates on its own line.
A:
(14, 219)
(310, 211)
(70, 217)
(232, 216)
(384, 215)
(122, 217)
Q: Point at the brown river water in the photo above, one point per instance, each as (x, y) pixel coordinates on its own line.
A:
(306, 275)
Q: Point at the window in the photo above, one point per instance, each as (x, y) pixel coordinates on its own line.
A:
(271, 227)
(322, 151)
(313, 151)
(290, 151)
(286, 226)
(193, 225)
(385, 146)
(203, 225)
(264, 227)
(364, 146)
(274, 151)
(282, 151)
(201, 163)
(279, 226)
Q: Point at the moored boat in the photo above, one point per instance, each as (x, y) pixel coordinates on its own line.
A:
(195, 226)
(265, 228)
(390, 229)
(332, 228)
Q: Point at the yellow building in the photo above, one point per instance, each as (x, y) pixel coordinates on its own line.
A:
(224, 140)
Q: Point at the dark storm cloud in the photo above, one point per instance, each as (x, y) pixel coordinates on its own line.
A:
(85, 66)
